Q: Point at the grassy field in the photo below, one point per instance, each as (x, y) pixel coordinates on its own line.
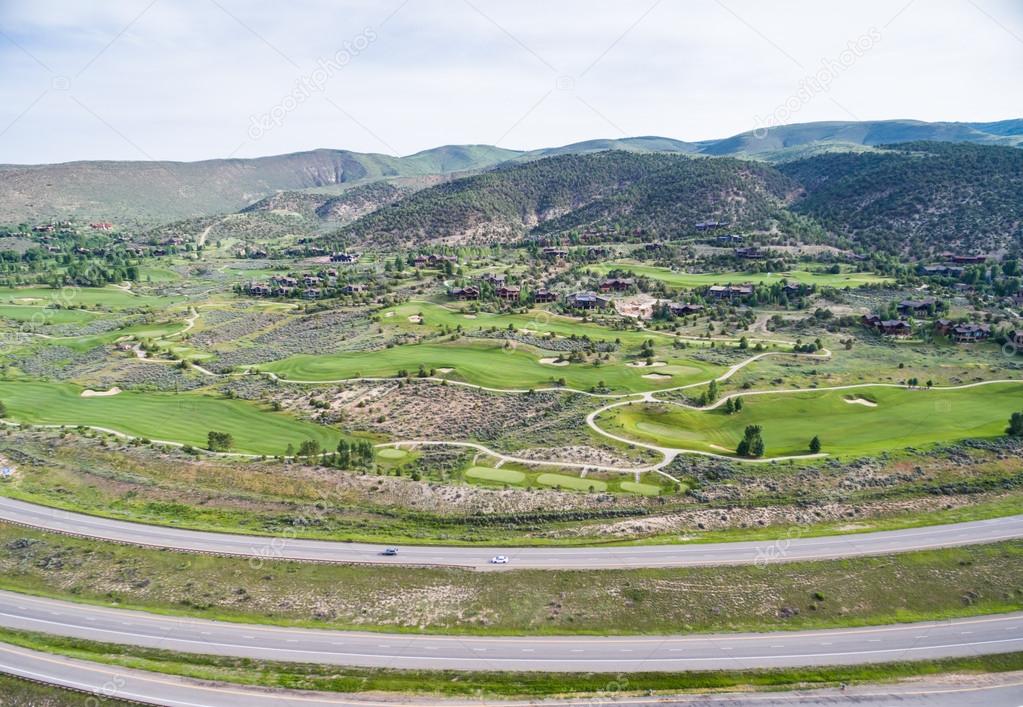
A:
(488, 363)
(185, 417)
(893, 418)
(538, 321)
(686, 280)
(828, 594)
(40, 314)
(110, 297)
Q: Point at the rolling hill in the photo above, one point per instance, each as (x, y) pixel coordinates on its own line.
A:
(161, 192)
(917, 197)
(659, 193)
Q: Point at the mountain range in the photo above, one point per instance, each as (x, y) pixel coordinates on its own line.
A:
(152, 192)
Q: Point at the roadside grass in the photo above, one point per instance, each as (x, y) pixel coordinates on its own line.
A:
(175, 417)
(686, 280)
(489, 364)
(777, 596)
(454, 683)
(19, 692)
(894, 418)
(523, 476)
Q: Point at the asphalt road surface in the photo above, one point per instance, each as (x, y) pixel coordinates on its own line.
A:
(601, 557)
(152, 688)
(940, 639)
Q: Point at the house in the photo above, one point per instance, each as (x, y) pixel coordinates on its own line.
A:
(544, 296)
(969, 259)
(587, 300)
(708, 225)
(683, 309)
(344, 258)
(496, 279)
(554, 252)
(943, 326)
(311, 293)
(282, 291)
(617, 284)
(730, 291)
(508, 292)
(311, 280)
(888, 327)
(101, 226)
(917, 307)
(895, 327)
(258, 289)
(793, 289)
(1015, 339)
(284, 281)
(752, 253)
(729, 239)
(351, 289)
(969, 332)
(941, 270)
(464, 293)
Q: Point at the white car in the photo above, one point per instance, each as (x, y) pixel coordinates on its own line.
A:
(499, 560)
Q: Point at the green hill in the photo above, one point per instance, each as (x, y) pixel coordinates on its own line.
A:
(917, 197)
(661, 193)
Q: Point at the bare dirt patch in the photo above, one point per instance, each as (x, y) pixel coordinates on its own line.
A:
(551, 361)
(88, 393)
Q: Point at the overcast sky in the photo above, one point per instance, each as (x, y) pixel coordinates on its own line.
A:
(197, 79)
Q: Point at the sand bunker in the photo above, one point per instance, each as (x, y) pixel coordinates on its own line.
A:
(644, 364)
(553, 362)
(657, 376)
(469, 316)
(100, 393)
(389, 314)
(720, 448)
(861, 401)
(445, 370)
(416, 319)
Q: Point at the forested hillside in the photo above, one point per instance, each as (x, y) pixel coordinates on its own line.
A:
(663, 194)
(918, 197)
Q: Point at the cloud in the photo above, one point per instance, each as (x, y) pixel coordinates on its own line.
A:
(184, 79)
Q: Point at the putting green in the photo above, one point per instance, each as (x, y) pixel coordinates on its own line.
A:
(576, 483)
(641, 489)
(391, 453)
(488, 473)
(184, 417)
(900, 418)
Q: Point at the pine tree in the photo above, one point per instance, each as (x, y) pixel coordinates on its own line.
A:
(815, 445)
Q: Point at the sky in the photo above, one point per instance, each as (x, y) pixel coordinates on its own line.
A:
(202, 79)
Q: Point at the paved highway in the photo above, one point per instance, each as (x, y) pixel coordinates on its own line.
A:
(961, 637)
(152, 688)
(601, 557)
